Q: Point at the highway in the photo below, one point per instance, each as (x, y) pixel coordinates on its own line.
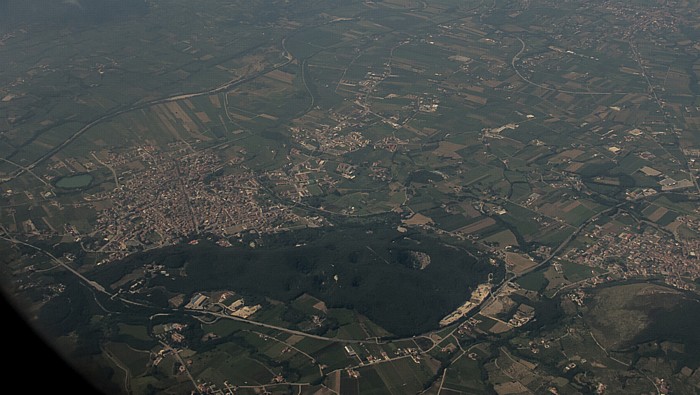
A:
(57, 261)
(281, 329)
(222, 88)
(522, 77)
(178, 97)
(490, 299)
(494, 294)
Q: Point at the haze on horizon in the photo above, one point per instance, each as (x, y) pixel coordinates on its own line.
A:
(13, 12)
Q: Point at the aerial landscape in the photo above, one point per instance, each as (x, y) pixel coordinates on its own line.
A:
(355, 197)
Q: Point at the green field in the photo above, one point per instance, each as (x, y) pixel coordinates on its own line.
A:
(232, 363)
(464, 375)
(534, 281)
(575, 272)
(309, 155)
(135, 360)
(223, 328)
(396, 377)
(136, 331)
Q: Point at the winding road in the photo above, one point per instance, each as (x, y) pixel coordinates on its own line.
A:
(221, 88)
(522, 77)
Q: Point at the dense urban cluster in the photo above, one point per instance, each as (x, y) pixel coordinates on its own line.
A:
(181, 194)
(650, 253)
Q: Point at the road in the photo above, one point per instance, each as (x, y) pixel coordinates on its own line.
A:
(490, 299)
(22, 168)
(178, 97)
(59, 262)
(188, 199)
(312, 359)
(522, 77)
(281, 329)
(226, 87)
(667, 117)
(167, 347)
(304, 66)
(222, 88)
(114, 173)
(494, 294)
(568, 240)
(120, 365)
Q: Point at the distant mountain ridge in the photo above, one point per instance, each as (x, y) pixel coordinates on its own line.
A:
(67, 11)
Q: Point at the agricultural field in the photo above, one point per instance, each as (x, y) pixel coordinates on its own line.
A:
(350, 197)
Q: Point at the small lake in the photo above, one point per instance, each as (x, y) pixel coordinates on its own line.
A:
(74, 182)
